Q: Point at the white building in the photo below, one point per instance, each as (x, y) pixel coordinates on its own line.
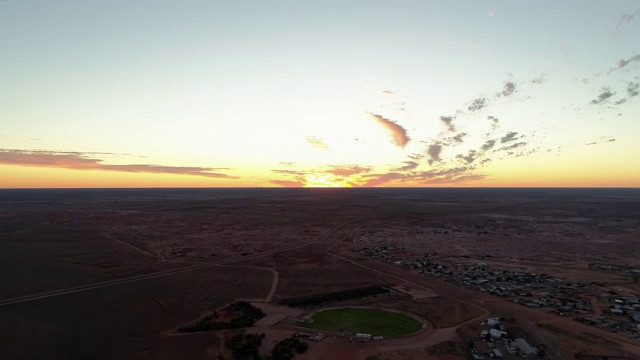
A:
(524, 347)
(497, 334)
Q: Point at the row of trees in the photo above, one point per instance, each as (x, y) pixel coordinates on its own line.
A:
(335, 296)
(250, 314)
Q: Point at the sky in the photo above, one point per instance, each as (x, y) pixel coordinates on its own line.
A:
(186, 93)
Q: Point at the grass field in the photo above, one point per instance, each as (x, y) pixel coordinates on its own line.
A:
(369, 321)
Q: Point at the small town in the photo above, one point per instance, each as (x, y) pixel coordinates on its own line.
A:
(537, 291)
(532, 290)
(623, 316)
(495, 340)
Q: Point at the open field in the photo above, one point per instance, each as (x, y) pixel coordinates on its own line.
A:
(368, 321)
(110, 274)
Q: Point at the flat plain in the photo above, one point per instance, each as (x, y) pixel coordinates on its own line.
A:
(105, 274)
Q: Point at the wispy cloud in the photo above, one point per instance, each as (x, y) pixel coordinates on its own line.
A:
(448, 121)
(540, 79)
(381, 179)
(624, 62)
(511, 136)
(632, 89)
(434, 151)
(509, 88)
(625, 19)
(601, 139)
(408, 165)
(288, 172)
(488, 145)
(512, 147)
(447, 176)
(399, 133)
(603, 96)
(316, 142)
(347, 170)
(458, 137)
(471, 156)
(477, 104)
(88, 161)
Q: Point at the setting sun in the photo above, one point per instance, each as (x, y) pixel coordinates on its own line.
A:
(326, 180)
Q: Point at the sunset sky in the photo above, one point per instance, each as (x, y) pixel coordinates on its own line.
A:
(158, 93)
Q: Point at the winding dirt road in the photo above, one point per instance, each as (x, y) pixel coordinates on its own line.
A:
(81, 288)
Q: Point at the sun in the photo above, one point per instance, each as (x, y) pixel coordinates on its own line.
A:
(325, 180)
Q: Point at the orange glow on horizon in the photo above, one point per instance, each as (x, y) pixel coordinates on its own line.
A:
(514, 176)
(325, 180)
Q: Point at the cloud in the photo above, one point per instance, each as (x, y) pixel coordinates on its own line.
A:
(621, 101)
(387, 92)
(288, 183)
(86, 161)
(437, 173)
(458, 138)
(509, 88)
(604, 96)
(471, 156)
(488, 145)
(625, 19)
(379, 179)
(447, 176)
(317, 143)
(601, 139)
(632, 89)
(416, 156)
(455, 179)
(408, 165)
(622, 63)
(347, 170)
(399, 133)
(512, 147)
(494, 125)
(477, 104)
(288, 172)
(434, 151)
(540, 79)
(435, 176)
(509, 137)
(491, 14)
(448, 121)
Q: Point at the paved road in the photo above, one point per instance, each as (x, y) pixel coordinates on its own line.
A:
(81, 288)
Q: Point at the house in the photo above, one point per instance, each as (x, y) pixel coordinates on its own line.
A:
(497, 334)
(617, 312)
(493, 321)
(496, 354)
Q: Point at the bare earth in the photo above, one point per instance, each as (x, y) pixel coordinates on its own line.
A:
(110, 274)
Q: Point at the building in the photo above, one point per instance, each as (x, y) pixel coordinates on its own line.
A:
(525, 348)
(497, 334)
(496, 354)
(493, 321)
(362, 337)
